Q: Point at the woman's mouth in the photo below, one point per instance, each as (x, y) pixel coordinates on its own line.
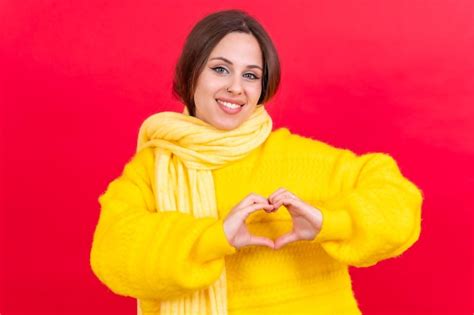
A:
(229, 108)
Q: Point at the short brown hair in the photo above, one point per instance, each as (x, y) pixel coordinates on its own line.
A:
(205, 35)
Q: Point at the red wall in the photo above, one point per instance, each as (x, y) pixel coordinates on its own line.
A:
(78, 78)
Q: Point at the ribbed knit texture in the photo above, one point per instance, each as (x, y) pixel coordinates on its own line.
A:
(186, 149)
(371, 212)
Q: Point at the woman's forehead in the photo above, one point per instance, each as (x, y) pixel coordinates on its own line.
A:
(238, 49)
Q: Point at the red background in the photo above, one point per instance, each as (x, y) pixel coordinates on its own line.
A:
(78, 78)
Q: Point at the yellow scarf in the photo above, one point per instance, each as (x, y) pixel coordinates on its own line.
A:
(186, 150)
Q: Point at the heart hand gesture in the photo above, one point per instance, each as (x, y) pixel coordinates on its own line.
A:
(307, 220)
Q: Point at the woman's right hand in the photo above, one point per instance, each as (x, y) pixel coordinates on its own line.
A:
(234, 224)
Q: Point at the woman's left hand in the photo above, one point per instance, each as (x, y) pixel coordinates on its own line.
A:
(307, 220)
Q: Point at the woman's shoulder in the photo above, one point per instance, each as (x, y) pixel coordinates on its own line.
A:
(284, 140)
(141, 163)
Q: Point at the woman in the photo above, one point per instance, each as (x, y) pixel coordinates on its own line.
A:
(218, 214)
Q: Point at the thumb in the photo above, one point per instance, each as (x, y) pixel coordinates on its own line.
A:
(262, 241)
(285, 239)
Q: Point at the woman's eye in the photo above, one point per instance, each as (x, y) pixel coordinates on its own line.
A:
(218, 69)
(252, 76)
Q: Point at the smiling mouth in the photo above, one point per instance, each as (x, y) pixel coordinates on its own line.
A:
(228, 104)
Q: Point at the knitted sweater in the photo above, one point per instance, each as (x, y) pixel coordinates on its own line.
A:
(370, 212)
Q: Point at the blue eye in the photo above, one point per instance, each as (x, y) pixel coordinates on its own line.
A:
(253, 76)
(216, 69)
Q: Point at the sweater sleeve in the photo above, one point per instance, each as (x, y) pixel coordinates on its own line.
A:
(145, 254)
(376, 212)
(371, 212)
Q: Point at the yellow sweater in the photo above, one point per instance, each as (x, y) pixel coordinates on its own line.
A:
(370, 212)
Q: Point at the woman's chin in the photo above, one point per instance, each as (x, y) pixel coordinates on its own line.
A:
(226, 127)
(227, 123)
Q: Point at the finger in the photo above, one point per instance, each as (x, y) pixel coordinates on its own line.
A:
(253, 198)
(256, 207)
(285, 239)
(283, 194)
(276, 192)
(273, 209)
(287, 202)
(262, 241)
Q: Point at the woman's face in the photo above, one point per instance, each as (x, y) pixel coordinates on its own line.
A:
(232, 74)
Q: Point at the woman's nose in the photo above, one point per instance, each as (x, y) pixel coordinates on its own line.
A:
(235, 86)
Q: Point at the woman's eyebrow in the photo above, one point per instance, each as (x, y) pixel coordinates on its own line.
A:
(229, 62)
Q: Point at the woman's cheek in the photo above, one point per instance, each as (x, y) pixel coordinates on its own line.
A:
(256, 95)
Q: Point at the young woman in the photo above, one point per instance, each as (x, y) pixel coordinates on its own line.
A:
(218, 214)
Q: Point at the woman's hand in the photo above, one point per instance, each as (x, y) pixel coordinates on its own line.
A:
(307, 220)
(234, 224)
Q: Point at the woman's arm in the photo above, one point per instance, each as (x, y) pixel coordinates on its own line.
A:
(370, 210)
(145, 254)
(376, 215)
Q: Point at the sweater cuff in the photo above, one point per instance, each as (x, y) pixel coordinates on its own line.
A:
(336, 225)
(213, 244)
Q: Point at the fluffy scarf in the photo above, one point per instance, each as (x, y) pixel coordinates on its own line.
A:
(186, 150)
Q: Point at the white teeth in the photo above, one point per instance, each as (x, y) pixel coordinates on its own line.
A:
(229, 105)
